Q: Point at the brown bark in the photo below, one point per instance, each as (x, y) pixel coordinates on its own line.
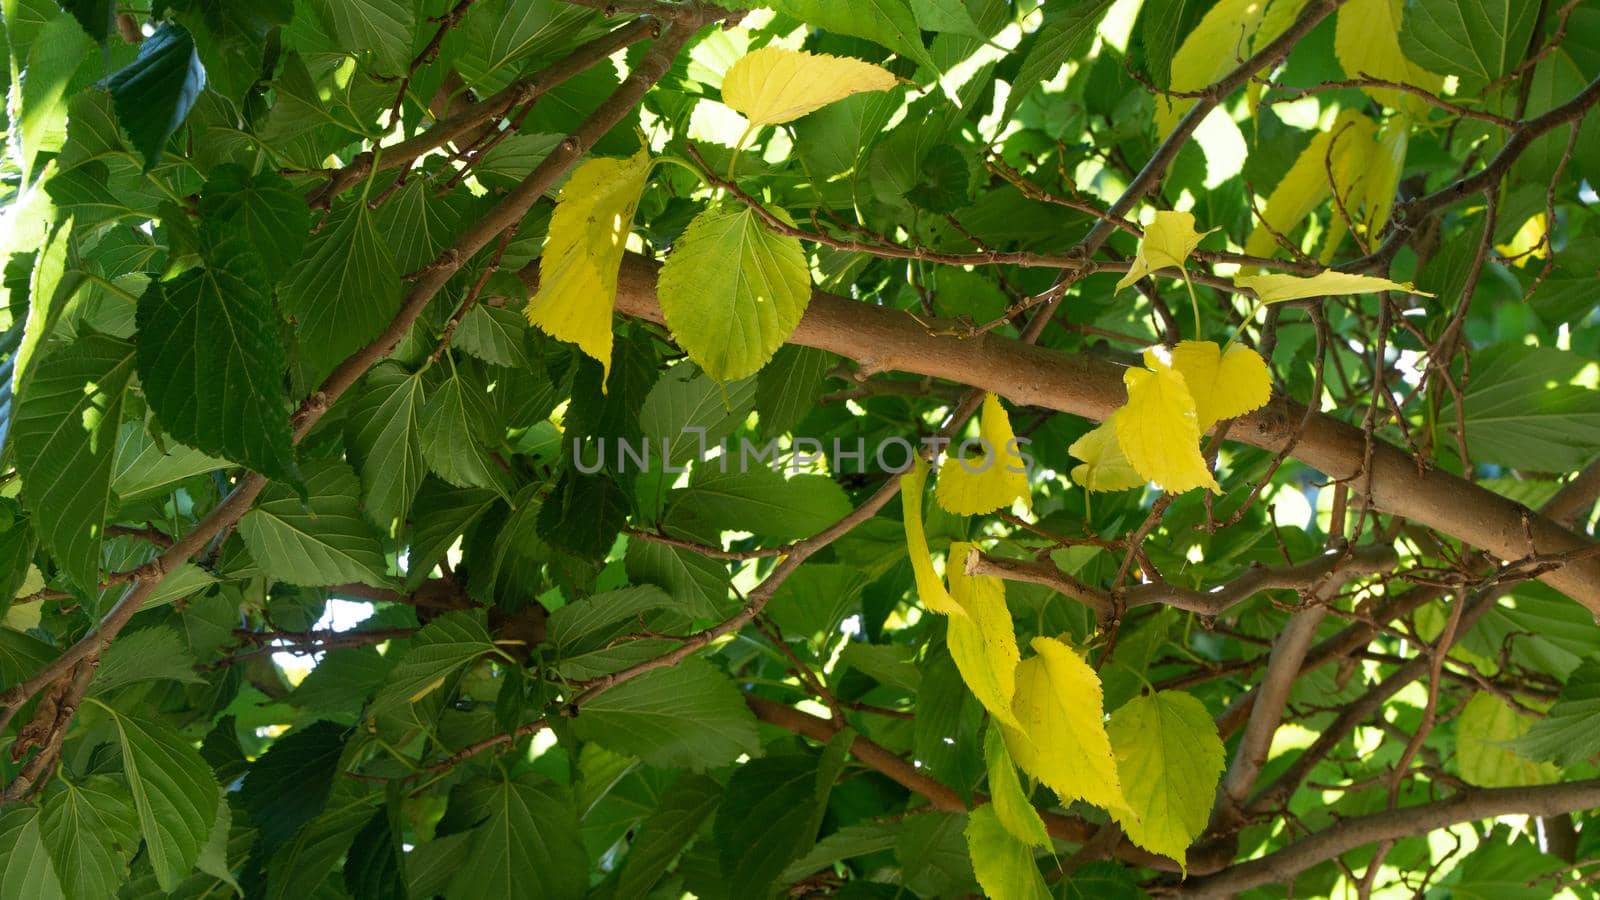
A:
(882, 339)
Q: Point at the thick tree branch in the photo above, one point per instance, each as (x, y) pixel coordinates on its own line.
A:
(883, 339)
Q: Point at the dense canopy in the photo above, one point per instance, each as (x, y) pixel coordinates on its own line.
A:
(884, 448)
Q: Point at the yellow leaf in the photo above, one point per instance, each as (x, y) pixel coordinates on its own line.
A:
(1528, 243)
(1366, 39)
(1168, 240)
(1346, 148)
(978, 484)
(1279, 15)
(1062, 741)
(1218, 44)
(1383, 176)
(578, 271)
(1276, 287)
(1224, 385)
(426, 689)
(1159, 430)
(773, 85)
(930, 587)
(1105, 467)
(1010, 801)
(1003, 865)
(1170, 759)
(983, 642)
(1484, 728)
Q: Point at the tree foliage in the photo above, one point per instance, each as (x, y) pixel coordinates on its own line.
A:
(623, 448)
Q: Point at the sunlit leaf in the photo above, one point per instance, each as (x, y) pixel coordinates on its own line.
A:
(1159, 430)
(774, 85)
(1366, 39)
(1224, 385)
(588, 235)
(1276, 287)
(1338, 157)
(1216, 47)
(990, 479)
(1062, 741)
(1167, 243)
(930, 587)
(1003, 864)
(983, 642)
(1010, 801)
(1105, 467)
(1170, 759)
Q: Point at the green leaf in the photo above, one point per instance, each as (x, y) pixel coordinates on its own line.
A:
(949, 16)
(212, 363)
(373, 866)
(441, 513)
(299, 868)
(383, 27)
(589, 634)
(528, 844)
(732, 291)
(341, 683)
(345, 290)
(66, 435)
(789, 387)
(1502, 870)
(932, 853)
(437, 652)
(1478, 40)
(699, 583)
(288, 786)
(762, 501)
(1003, 864)
(1169, 760)
(173, 792)
(677, 818)
(1012, 809)
(264, 209)
(457, 422)
(385, 440)
(688, 715)
(495, 335)
(154, 93)
(1570, 732)
(146, 469)
(53, 55)
(90, 831)
(687, 410)
(98, 17)
(149, 654)
(847, 843)
(1066, 33)
(53, 282)
(889, 23)
(1488, 752)
(584, 515)
(1102, 880)
(1522, 410)
(322, 540)
(26, 872)
(761, 823)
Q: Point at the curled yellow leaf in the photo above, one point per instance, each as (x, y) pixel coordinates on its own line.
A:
(983, 642)
(1105, 467)
(1224, 385)
(930, 587)
(1346, 150)
(1062, 740)
(1168, 240)
(1010, 801)
(1276, 287)
(1159, 429)
(774, 85)
(583, 251)
(990, 479)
